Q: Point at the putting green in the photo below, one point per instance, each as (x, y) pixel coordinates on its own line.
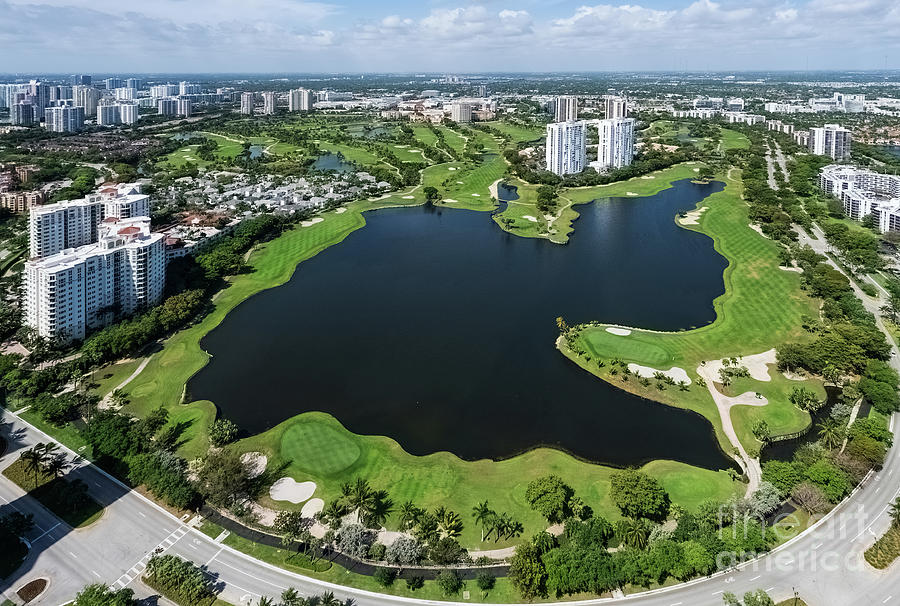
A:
(318, 448)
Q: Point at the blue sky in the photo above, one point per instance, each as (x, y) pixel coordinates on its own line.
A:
(445, 35)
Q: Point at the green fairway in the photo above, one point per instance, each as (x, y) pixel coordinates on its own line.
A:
(519, 132)
(315, 446)
(762, 307)
(731, 139)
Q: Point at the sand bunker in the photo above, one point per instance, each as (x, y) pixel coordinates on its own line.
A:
(648, 177)
(798, 270)
(311, 222)
(255, 463)
(286, 489)
(757, 364)
(622, 332)
(630, 193)
(692, 217)
(409, 197)
(312, 507)
(675, 373)
(530, 218)
(450, 200)
(451, 168)
(477, 195)
(340, 211)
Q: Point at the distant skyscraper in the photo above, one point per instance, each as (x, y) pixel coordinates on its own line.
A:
(167, 107)
(830, 140)
(461, 112)
(134, 83)
(128, 112)
(616, 142)
(301, 100)
(64, 119)
(566, 147)
(87, 97)
(164, 90)
(40, 94)
(113, 83)
(107, 114)
(247, 103)
(60, 93)
(81, 80)
(268, 102)
(615, 107)
(125, 93)
(184, 107)
(481, 90)
(566, 108)
(188, 88)
(22, 114)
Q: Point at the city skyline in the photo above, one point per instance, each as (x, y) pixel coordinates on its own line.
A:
(401, 36)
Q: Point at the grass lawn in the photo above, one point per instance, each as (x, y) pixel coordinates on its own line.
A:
(67, 434)
(112, 375)
(54, 494)
(732, 139)
(315, 446)
(885, 550)
(761, 308)
(519, 132)
(454, 139)
(792, 602)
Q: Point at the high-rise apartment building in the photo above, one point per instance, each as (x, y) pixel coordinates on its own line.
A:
(129, 112)
(461, 112)
(615, 107)
(565, 108)
(113, 83)
(86, 96)
(167, 107)
(301, 100)
(247, 103)
(70, 293)
(65, 119)
(81, 80)
(40, 98)
(21, 114)
(107, 114)
(184, 107)
(164, 90)
(268, 102)
(125, 94)
(188, 88)
(566, 147)
(616, 142)
(134, 83)
(830, 140)
(21, 201)
(73, 223)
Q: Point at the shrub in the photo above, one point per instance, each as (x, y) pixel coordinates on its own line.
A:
(449, 581)
(222, 432)
(385, 576)
(416, 582)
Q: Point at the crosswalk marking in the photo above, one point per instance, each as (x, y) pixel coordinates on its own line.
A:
(138, 569)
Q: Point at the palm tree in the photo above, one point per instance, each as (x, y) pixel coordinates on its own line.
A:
(831, 433)
(265, 601)
(56, 466)
(328, 599)
(408, 514)
(361, 498)
(34, 460)
(481, 513)
(503, 524)
(895, 513)
(635, 534)
(290, 597)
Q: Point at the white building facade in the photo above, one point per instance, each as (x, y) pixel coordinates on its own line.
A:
(566, 142)
(616, 142)
(830, 140)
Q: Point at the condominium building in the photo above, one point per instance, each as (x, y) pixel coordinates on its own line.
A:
(21, 114)
(830, 140)
(70, 293)
(566, 147)
(268, 103)
(129, 112)
(247, 103)
(743, 118)
(64, 119)
(167, 106)
(864, 192)
(81, 80)
(301, 100)
(159, 91)
(40, 98)
(184, 107)
(125, 94)
(735, 104)
(113, 83)
(87, 97)
(73, 223)
(615, 107)
(107, 114)
(565, 108)
(188, 88)
(134, 83)
(615, 147)
(22, 201)
(461, 112)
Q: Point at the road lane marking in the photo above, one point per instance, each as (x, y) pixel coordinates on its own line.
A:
(817, 545)
(245, 573)
(73, 555)
(717, 592)
(756, 577)
(769, 589)
(214, 557)
(45, 532)
(142, 514)
(194, 547)
(94, 572)
(884, 601)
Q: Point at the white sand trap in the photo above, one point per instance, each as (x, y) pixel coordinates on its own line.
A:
(477, 195)
(311, 222)
(460, 183)
(798, 270)
(692, 217)
(793, 376)
(401, 146)
(409, 197)
(530, 218)
(755, 227)
(630, 193)
(451, 200)
(312, 507)
(696, 170)
(255, 463)
(622, 332)
(286, 489)
(415, 151)
(648, 177)
(676, 373)
(451, 168)
(340, 211)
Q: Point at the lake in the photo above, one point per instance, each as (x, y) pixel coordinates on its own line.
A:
(333, 162)
(434, 327)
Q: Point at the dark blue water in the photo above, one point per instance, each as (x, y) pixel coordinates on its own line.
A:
(333, 162)
(434, 327)
(894, 150)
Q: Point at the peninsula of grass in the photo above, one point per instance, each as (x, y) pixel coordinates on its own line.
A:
(885, 550)
(762, 308)
(56, 494)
